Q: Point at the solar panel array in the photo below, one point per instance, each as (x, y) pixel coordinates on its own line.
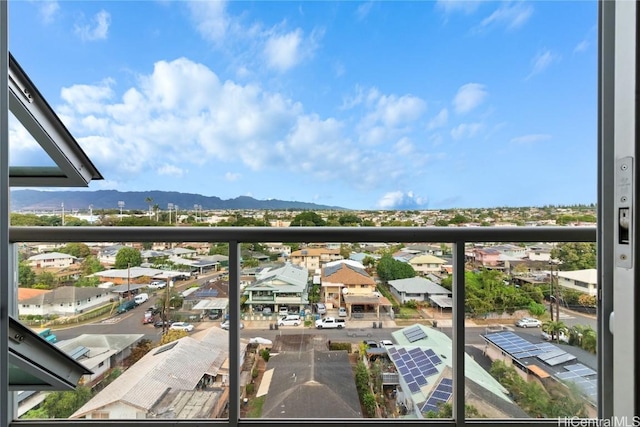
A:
(415, 365)
(414, 333)
(582, 376)
(440, 394)
(519, 348)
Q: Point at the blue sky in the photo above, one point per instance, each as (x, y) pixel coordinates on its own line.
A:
(363, 105)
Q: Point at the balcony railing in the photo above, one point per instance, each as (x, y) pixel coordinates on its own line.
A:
(458, 237)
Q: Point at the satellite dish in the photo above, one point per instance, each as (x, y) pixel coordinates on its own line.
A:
(345, 290)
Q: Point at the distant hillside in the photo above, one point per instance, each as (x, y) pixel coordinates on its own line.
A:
(29, 200)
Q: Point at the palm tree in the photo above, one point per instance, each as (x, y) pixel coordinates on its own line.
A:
(149, 200)
(589, 339)
(156, 208)
(554, 328)
(576, 332)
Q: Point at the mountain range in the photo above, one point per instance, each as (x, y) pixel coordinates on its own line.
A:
(36, 200)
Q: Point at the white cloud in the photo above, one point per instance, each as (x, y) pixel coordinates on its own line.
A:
(542, 61)
(363, 10)
(181, 118)
(211, 19)
(581, 47)
(439, 120)
(170, 170)
(388, 115)
(230, 176)
(466, 130)
(283, 50)
(398, 200)
(452, 6)
(530, 139)
(97, 29)
(511, 15)
(469, 96)
(48, 10)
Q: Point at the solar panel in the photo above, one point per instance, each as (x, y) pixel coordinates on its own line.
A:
(415, 351)
(551, 354)
(581, 369)
(402, 351)
(404, 370)
(415, 371)
(411, 364)
(421, 380)
(414, 333)
(559, 359)
(414, 387)
(440, 395)
(435, 359)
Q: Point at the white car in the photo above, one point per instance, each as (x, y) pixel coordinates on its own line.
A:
(342, 312)
(181, 326)
(528, 322)
(225, 325)
(386, 343)
(547, 337)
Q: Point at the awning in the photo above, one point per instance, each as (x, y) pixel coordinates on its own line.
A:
(538, 371)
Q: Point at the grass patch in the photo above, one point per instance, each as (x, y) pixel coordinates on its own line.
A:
(255, 407)
(407, 313)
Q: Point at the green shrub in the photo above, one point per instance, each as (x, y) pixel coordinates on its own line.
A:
(340, 346)
(265, 354)
(249, 388)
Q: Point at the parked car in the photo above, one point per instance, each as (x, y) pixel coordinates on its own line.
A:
(371, 344)
(225, 325)
(321, 308)
(160, 323)
(266, 311)
(528, 322)
(342, 312)
(126, 306)
(289, 320)
(157, 284)
(141, 298)
(386, 343)
(547, 337)
(283, 311)
(181, 326)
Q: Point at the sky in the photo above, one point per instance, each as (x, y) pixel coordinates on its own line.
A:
(361, 105)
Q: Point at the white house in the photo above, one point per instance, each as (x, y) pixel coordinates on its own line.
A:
(416, 288)
(426, 264)
(580, 280)
(51, 260)
(193, 364)
(65, 301)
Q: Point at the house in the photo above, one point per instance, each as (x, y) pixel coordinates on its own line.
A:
(285, 286)
(348, 281)
(426, 264)
(99, 352)
(123, 276)
(314, 258)
(145, 390)
(486, 257)
(420, 390)
(311, 384)
(65, 301)
(51, 260)
(107, 255)
(579, 280)
(539, 362)
(417, 289)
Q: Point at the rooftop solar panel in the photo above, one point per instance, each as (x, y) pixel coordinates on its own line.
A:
(403, 370)
(559, 359)
(415, 372)
(440, 395)
(551, 354)
(582, 369)
(411, 364)
(421, 380)
(447, 381)
(414, 387)
(414, 333)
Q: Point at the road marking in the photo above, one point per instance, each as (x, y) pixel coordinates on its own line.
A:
(566, 316)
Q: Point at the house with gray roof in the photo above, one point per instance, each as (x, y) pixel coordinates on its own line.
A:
(65, 301)
(193, 363)
(417, 289)
(421, 392)
(99, 352)
(284, 286)
(51, 260)
(312, 384)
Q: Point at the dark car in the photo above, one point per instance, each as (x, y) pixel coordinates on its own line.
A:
(160, 323)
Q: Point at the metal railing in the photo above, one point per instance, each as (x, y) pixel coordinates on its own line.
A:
(458, 237)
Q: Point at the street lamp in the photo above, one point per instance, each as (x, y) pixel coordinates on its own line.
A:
(170, 207)
(121, 205)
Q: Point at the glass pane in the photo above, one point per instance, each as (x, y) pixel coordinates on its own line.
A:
(532, 326)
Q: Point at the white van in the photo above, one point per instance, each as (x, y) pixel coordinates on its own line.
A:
(140, 298)
(289, 320)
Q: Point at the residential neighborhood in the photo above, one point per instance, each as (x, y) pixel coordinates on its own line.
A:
(402, 292)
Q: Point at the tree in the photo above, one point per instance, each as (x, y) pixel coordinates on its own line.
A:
(555, 328)
(345, 251)
(349, 220)
(392, 269)
(78, 250)
(156, 209)
(173, 335)
(91, 265)
(128, 257)
(47, 279)
(62, 404)
(307, 219)
(26, 275)
(575, 255)
(149, 201)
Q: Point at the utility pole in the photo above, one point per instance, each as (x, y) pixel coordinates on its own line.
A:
(129, 281)
(551, 292)
(62, 205)
(165, 314)
(557, 297)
